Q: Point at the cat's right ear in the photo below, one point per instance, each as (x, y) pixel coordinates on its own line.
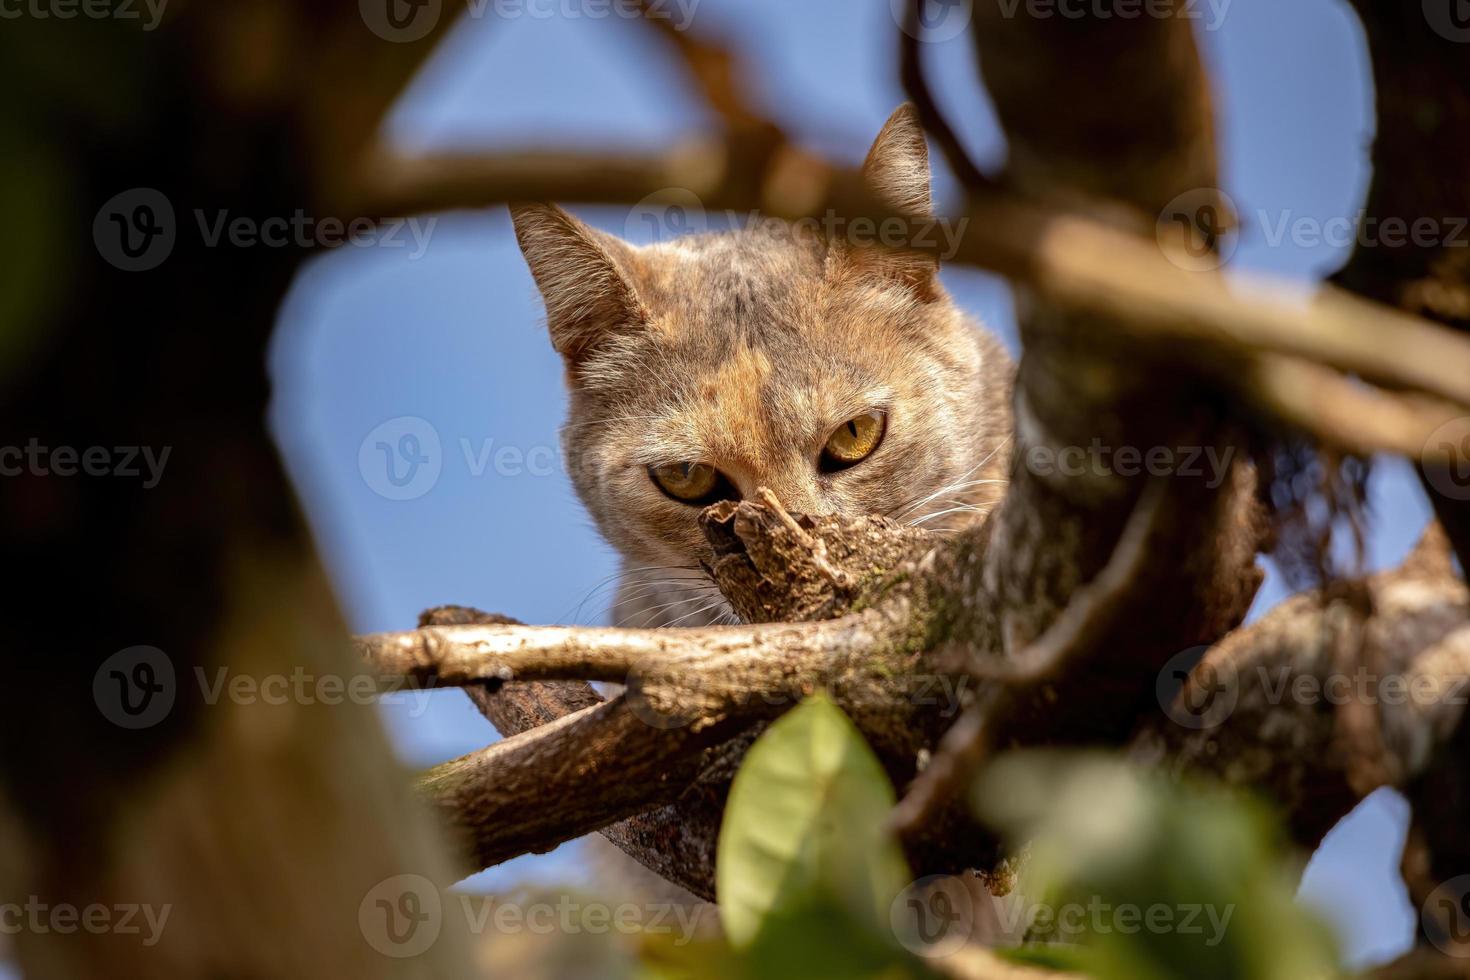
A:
(583, 277)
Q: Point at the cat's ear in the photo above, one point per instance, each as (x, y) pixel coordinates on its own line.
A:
(897, 167)
(897, 171)
(583, 277)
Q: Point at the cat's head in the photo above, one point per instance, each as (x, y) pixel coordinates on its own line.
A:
(839, 375)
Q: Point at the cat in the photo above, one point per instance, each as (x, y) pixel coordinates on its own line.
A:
(836, 373)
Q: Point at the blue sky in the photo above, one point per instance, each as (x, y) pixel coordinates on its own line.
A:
(379, 344)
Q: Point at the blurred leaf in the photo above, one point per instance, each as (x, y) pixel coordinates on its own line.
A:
(825, 940)
(1152, 880)
(804, 827)
(820, 940)
(664, 959)
(35, 197)
(1050, 956)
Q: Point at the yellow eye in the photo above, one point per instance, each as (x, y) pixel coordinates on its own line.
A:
(688, 482)
(854, 440)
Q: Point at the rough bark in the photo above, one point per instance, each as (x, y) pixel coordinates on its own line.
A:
(1123, 346)
(996, 601)
(261, 826)
(1421, 81)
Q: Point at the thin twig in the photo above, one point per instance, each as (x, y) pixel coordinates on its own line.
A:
(916, 86)
(965, 746)
(1074, 260)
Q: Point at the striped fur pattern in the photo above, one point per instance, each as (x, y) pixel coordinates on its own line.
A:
(745, 350)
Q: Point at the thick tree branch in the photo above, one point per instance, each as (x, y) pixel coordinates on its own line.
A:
(1422, 89)
(586, 769)
(1074, 260)
(1101, 284)
(1265, 709)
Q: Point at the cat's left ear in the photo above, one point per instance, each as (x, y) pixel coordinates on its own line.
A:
(897, 171)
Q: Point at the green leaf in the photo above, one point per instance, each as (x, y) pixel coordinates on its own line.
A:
(1153, 879)
(804, 827)
(1048, 956)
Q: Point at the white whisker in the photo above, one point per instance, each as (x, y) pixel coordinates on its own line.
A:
(953, 487)
(713, 605)
(687, 597)
(963, 508)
